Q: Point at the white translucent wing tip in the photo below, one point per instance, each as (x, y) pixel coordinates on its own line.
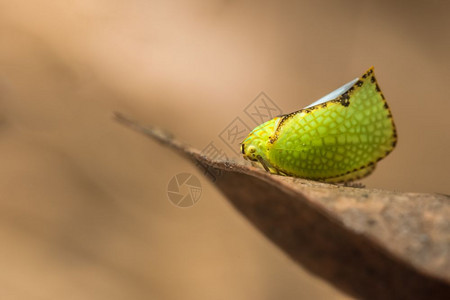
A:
(334, 94)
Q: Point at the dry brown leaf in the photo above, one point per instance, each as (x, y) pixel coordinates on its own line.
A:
(369, 243)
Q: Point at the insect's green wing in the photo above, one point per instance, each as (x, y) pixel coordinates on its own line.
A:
(355, 175)
(339, 140)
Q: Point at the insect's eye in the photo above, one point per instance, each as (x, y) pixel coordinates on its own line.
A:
(251, 149)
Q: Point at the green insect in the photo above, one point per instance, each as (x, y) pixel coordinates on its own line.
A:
(338, 138)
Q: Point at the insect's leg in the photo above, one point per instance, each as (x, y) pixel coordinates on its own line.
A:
(263, 163)
(268, 167)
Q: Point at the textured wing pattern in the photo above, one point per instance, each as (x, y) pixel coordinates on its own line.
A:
(338, 140)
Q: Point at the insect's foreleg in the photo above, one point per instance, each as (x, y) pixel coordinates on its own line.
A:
(263, 163)
(268, 167)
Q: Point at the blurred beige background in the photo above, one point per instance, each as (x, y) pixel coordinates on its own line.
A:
(83, 205)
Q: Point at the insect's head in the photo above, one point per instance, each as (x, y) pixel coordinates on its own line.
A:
(249, 152)
(255, 145)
